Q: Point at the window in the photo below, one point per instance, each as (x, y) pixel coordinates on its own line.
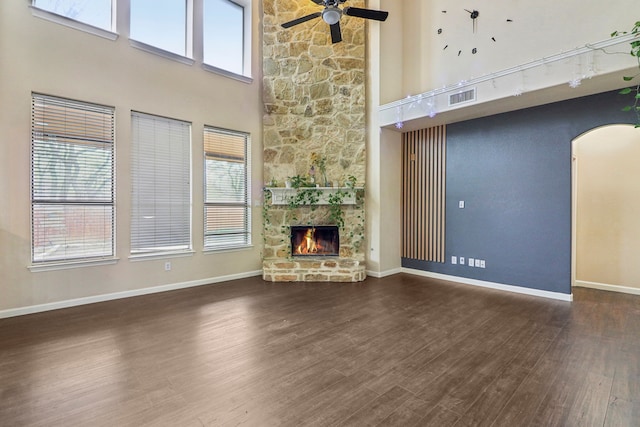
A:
(97, 13)
(227, 213)
(161, 185)
(161, 24)
(224, 34)
(221, 28)
(72, 180)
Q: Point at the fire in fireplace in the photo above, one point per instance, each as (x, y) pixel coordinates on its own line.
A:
(316, 240)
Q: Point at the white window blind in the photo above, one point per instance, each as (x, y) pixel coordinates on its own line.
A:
(72, 180)
(227, 198)
(161, 185)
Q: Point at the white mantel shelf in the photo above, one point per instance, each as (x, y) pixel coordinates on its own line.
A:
(281, 195)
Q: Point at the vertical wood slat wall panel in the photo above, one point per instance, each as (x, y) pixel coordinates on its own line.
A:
(423, 194)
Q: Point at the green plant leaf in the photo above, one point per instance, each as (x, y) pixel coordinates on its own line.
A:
(627, 79)
(625, 91)
(627, 108)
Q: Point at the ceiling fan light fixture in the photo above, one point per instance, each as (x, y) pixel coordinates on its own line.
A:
(331, 15)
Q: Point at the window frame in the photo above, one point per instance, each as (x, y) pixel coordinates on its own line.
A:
(194, 32)
(159, 252)
(189, 33)
(245, 204)
(47, 15)
(246, 6)
(69, 138)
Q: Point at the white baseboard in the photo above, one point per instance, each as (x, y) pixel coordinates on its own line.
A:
(381, 274)
(491, 285)
(607, 287)
(124, 294)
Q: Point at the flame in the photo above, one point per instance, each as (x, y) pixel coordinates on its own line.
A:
(309, 245)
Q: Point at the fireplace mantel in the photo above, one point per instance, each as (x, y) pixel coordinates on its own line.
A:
(282, 195)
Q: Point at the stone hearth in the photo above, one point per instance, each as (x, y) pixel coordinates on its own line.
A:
(312, 269)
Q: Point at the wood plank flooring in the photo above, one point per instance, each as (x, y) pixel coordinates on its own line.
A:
(398, 351)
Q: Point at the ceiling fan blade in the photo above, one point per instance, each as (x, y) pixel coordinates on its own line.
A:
(336, 34)
(301, 20)
(378, 15)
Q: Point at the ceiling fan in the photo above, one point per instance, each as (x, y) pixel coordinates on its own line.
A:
(332, 14)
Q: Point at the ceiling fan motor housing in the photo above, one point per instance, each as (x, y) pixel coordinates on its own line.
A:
(331, 15)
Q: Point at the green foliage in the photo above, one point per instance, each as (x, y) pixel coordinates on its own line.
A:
(335, 208)
(304, 196)
(634, 91)
(299, 181)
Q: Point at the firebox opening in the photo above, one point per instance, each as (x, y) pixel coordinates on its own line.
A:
(315, 240)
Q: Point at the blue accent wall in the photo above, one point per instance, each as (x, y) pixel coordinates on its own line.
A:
(513, 171)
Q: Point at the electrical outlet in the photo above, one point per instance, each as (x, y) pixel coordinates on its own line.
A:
(482, 265)
(454, 259)
(461, 204)
(167, 266)
(462, 260)
(471, 262)
(477, 262)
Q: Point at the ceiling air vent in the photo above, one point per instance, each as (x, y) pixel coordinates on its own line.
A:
(460, 97)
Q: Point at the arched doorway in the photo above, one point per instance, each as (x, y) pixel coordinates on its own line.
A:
(606, 209)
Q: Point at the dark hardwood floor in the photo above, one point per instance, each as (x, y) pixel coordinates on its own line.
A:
(399, 351)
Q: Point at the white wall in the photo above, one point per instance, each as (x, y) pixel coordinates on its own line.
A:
(538, 30)
(383, 155)
(41, 56)
(390, 64)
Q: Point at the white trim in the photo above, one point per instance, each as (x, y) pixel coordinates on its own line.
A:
(125, 294)
(161, 52)
(226, 73)
(50, 266)
(210, 250)
(72, 23)
(160, 255)
(491, 285)
(607, 287)
(381, 274)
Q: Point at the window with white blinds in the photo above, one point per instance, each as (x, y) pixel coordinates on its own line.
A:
(161, 185)
(72, 180)
(227, 212)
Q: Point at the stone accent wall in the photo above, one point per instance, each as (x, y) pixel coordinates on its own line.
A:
(314, 102)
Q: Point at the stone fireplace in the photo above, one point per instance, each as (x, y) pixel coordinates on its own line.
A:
(313, 126)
